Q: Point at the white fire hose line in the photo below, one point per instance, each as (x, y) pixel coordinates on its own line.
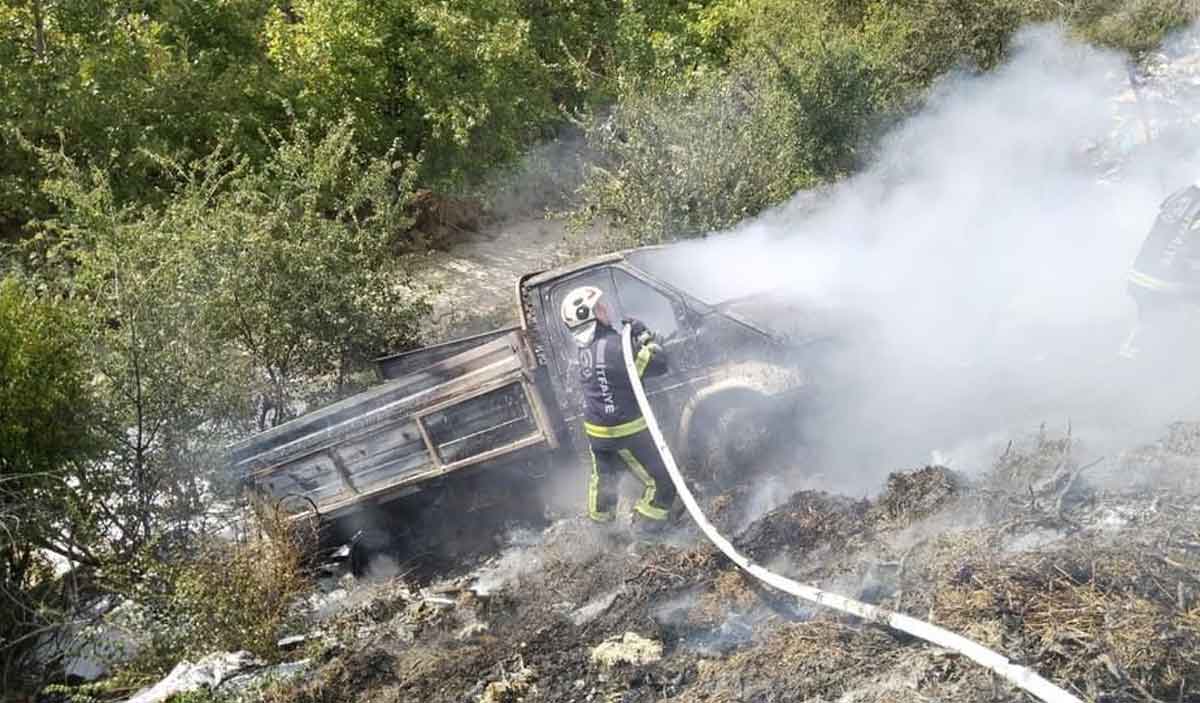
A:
(1027, 679)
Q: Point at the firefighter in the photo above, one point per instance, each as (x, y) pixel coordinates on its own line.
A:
(1165, 279)
(617, 433)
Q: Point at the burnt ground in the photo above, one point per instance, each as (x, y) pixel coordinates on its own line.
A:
(1087, 572)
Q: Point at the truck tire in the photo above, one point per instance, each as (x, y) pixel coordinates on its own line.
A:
(730, 439)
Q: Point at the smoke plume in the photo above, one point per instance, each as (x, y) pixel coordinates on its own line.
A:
(982, 260)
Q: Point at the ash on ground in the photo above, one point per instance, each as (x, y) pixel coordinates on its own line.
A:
(1087, 571)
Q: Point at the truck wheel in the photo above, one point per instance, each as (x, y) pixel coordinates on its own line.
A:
(746, 435)
(730, 440)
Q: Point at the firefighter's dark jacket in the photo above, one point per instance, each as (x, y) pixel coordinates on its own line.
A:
(1169, 261)
(610, 407)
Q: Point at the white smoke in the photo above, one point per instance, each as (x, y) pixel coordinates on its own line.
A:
(984, 255)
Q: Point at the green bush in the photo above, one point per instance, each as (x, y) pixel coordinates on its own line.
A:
(1135, 26)
(257, 287)
(221, 596)
(749, 101)
(47, 432)
(914, 43)
(44, 400)
(208, 595)
(301, 262)
(459, 83)
(105, 81)
(725, 144)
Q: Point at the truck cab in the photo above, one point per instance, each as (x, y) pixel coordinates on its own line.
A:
(731, 380)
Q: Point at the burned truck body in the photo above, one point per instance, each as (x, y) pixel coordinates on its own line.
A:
(509, 398)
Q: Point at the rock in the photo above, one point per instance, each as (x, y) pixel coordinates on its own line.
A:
(291, 642)
(470, 630)
(286, 671)
(210, 672)
(402, 628)
(101, 636)
(504, 692)
(630, 648)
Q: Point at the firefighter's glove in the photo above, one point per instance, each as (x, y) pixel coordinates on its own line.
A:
(641, 335)
(647, 340)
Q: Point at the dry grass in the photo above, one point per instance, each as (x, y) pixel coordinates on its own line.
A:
(913, 495)
(730, 593)
(818, 660)
(224, 596)
(1118, 619)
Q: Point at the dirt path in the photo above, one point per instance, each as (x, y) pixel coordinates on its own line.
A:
(474, 281)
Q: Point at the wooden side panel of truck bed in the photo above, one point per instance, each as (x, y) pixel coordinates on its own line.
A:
(476, 406)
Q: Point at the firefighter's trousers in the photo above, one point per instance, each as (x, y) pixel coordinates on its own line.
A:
(638, 454)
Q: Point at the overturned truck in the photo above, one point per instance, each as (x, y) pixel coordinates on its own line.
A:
(505, 404)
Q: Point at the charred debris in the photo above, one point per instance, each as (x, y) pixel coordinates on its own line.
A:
(1084, 568)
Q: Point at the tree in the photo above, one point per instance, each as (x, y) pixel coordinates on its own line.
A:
(458, 83)
(1136, 26)
(786, 107)
(46, 420)
(165, 392)
(46, 434)
(303, 262)
(106, 81)
(255, 289)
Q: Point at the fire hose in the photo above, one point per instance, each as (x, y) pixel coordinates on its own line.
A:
(1023, 677)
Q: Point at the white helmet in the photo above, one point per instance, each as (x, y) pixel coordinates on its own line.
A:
(579, 313)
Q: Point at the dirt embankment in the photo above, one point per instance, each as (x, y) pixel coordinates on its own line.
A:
(1088, 573)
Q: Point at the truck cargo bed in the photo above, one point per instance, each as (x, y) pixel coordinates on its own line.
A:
(472, 407)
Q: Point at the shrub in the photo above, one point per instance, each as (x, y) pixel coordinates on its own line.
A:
(238, 596)
(724, 145)
(1136, 26)
(46, 431)
(213, 595)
